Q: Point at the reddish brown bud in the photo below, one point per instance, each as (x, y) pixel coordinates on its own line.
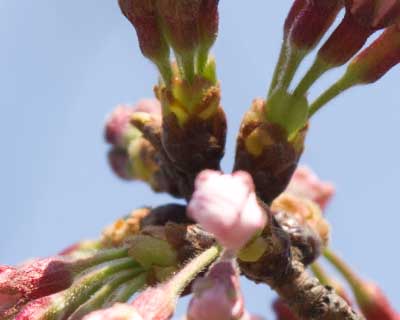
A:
(180, 18)
(293, 14)
(363, 17)
(374, 304)
(208, 22)
(374, 14)
(308, 21)
(376, 60)
(143, 16)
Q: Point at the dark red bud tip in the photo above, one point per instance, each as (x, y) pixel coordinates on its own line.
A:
(311, 22)
(345, 42)
(208, 22)
(143, 16)
(375, 305)
(376, 60)
(294, 12)
(374, 14)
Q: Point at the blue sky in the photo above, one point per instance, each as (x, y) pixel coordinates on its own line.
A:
(64, 65)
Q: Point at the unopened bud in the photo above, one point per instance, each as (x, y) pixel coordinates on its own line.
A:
(306, 184)
(226, 206)
(307, 22)
(217, 295)
(376, 60)
(362, 19)
(372, 301)
(144, 17)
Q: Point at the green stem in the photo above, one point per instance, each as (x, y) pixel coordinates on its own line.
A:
(69, 300)
(202, 59)
(125, 291)
(337, 88)
(98, 299)
(321, 274)
(292, 62)
(164, 67)
(98, 257)
(179, 282)
(279, 66)
(313, 74)
(354, 281)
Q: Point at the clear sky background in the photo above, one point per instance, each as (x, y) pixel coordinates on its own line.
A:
(64, 65)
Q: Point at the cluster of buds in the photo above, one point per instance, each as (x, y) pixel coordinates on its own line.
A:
(264, 220)
(132, 157)
(188, 90)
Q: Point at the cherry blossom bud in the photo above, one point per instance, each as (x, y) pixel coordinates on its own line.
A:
(35, 279)
(226, 206)
(119, 131)
(208, 29)
(155, 304)
(119, 311)
(297, 7)
(306, 184)
(220, 289)
(370, 298)
(374, 304)
(144, 17)
(120, 164)
(180, 21)
(376, 60)
(65, 303)
(363, 17)
(309, 20)
(208, 22)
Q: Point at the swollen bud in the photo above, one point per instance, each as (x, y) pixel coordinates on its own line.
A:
(362, 19)
(376, 60)
(309, 20)
(226, 206)
(217, 295)
(370, 298)
(265, 148)
(144, 17)
(194, 124)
